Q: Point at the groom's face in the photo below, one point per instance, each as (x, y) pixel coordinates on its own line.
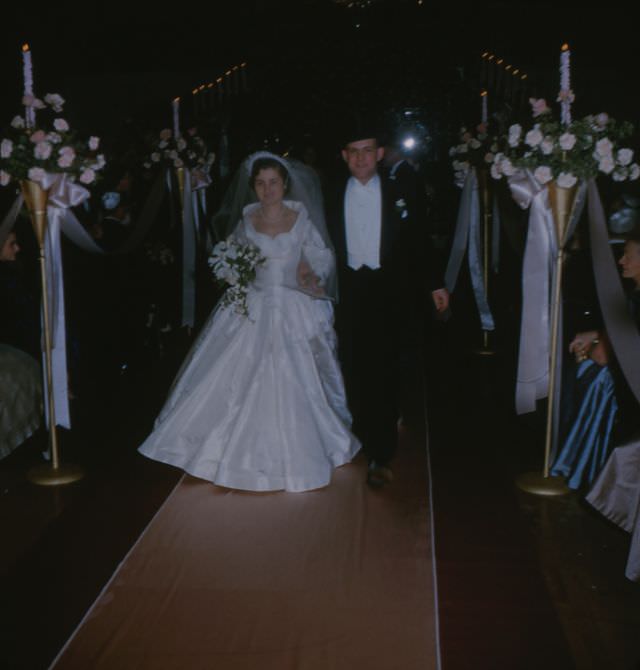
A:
(362, 158)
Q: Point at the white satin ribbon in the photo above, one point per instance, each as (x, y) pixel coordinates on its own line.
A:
(466, 239)
(63, 194)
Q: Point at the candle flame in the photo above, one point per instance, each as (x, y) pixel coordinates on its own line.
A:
(485, 54)
(210, 85)
(524, 76)
(195, 90)
(491, 56)
(483, 92)
(565, 47)
(25, 47)
(219, 80)
(243, 65)
(228, 72)
(515, 72)
(508, 67)
(176, 99)
(500, 61)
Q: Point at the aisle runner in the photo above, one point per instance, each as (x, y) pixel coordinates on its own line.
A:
(335, 579)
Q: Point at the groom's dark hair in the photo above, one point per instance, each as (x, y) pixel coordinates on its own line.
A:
(264, 164)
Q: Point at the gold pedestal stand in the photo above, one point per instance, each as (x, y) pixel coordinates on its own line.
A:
(562, 201)
(53, 473)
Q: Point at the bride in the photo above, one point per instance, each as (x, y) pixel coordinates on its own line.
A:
(259, 403)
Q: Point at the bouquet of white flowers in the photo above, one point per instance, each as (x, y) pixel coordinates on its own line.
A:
(234, 265)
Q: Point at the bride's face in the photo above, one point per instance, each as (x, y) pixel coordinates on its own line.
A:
(269, 186)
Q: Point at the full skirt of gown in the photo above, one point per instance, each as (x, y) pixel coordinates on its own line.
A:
(259, 403)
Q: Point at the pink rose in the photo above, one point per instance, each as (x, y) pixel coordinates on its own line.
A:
(36, 174)
(38, 136)
(66, 160)
(87, 176)
(538, 106)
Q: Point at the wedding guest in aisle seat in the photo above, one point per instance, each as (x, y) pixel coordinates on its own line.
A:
(602, 411)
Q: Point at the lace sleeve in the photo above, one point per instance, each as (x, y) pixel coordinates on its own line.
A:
(316, 253)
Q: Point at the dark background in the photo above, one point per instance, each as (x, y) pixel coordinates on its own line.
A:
(313, 64)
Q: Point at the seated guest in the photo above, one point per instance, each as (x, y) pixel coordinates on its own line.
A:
(603, 410)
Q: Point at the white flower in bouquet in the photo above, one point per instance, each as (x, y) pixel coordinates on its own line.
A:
(87, 176)
(566, 180)
(620, 174)
(234, 265)
(547, 145)
(533, 137)
(94, 143)
(178, 163)
(42, 150)
(163, 144)
(606, 164)
(5, 178)
(488, 157)
(634, 171)
(624, 156)
(6, 148)
(181, 144)
(61, 125)
(567, 141)
(155, 157)
(54, 138)
(515, 131)
(507, 167)
(604, 147)
(55, 101)
(17, 122)
(475, 143)
(543, 174)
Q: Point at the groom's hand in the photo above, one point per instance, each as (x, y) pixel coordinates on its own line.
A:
(440, 299)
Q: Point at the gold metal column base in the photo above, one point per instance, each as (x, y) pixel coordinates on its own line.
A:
(485, 349)
(538, 484)
(47, 475)
(485, 352)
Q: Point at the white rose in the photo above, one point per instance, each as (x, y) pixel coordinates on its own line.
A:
(147, 165)
(514, 132)
(181, 144)
(533, 137)
(55, 101)
(495, 170)
(36, 174)
(172, 154)
(178, 163)
(546, 146)
(453, 151)
(94, 143)
(5, 178)
(17, 122)
(567, 141)
(155, 156)
(54, 138)
(475, 144)
(60, 125)
(625, 156)
(494, 148)
(87, 176)
(602, 119)
(604, 147)
(488, 157)
(543, 174)
(462, 148)
(100, 161)
(66, 159)
(162, 144)
(634, 171)
(42, 150)
(507, 167)
(606, 164)
(566, 180)
(620, 174)
(6, 148)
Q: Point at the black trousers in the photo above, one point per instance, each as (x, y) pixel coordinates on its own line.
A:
(372, 339)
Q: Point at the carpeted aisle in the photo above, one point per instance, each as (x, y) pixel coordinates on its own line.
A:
(335, 579)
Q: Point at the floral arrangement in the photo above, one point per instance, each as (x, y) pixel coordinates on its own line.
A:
(234, 265)
(32, 152)
(179, 151)
(474, 149)
(566, 152)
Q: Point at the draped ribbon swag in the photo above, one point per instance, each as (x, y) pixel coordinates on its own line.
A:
(467, 239)
(538, 282)
(621, 328)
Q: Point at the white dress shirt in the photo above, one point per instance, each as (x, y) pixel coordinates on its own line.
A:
(363, 222)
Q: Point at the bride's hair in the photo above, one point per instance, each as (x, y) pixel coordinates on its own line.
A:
(266, 163)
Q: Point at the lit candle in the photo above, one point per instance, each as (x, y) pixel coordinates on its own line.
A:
(176, 117)
(27, 71)
(485, 114)
(565, 85)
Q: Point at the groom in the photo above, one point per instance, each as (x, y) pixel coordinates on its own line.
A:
(385, 270)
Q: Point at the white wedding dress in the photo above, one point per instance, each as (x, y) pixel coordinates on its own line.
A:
(259, 403)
